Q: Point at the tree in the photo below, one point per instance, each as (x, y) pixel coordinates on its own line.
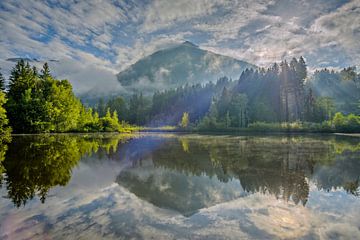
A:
(118, 104)
(223, 102)
(348, 74)
(138, 109)
(309, 112)
(110, 122)
(101, 108)
(227, 120)
(22, 77)
(184, 120)
(2, 82)
(45, 72)
(41, 103)
(24, 107)
(213, 112)
(4, 128)
(301, 71)
(238, 110)
(285, 90)
(324, 109)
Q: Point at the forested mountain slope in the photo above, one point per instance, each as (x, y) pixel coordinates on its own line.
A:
(176, 66)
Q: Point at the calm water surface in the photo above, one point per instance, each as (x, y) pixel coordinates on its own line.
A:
(168, 186)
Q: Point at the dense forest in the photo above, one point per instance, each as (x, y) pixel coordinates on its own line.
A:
(36, 102)
(282, 97)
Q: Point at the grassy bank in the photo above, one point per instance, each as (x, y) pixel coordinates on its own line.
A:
(294, 127)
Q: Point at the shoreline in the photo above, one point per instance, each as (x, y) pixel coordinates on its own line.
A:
(178, 131)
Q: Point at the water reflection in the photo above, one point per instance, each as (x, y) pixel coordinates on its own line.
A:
(187, 172)
(179, 186)
(35, 164)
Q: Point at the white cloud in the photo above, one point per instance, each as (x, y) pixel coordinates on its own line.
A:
(112, 35)
(162, 13)
(341, 27)
(86, 77)
(128, 55)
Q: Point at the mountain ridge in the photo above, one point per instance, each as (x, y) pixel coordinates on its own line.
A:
(178, 65)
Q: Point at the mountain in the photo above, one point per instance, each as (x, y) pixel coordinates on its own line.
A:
(182, 64)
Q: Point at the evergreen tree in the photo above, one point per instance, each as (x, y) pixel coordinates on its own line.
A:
(23, 106)
(45, 72)
(2, 82)
(213, 112)
(22, 78)
(118, 104)
(238, 110)
(309, 114)
(301, 70)
(138, 109)
(227, 120)
(4, 122)
(224, 101)
(285, 90)
(101, 108)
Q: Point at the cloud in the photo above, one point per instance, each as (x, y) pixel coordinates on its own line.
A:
(162, 13)
(141, 48)
(340, 28)
(112, 35)
(86, 77)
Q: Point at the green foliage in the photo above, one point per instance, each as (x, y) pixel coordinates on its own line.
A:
(40, 103)
(324, 109)
(349, 123)
(5, 130)
(2, 82)
(291, 127)
(36, 163)
(342, 86)
(339, 123)
(110, 123)
(138, 109)
(348, 74)
(184, 123)
(118, 104)
(238, 110)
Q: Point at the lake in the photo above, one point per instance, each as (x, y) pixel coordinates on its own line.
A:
(180, 186)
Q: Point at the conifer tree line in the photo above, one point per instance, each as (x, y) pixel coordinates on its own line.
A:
(281, 93)
(35, 102)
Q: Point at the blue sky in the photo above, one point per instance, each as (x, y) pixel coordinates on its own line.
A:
(111, 35)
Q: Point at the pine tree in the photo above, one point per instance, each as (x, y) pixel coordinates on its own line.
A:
(224, 101)
(296, 89)
(4, 128)
(101, 108)
(227, 120)
(22, 77)
(309, 107)
(2, 82)
(301, 74)
(284, 90)
(45, 72)
(301, 70)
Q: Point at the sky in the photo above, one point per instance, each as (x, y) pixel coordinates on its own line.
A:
(102, 37)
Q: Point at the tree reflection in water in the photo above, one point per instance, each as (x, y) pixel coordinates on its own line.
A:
(186, 172)
(280, 166)
(32, 165)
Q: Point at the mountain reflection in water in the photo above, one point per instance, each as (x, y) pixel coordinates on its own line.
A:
(182, 173)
